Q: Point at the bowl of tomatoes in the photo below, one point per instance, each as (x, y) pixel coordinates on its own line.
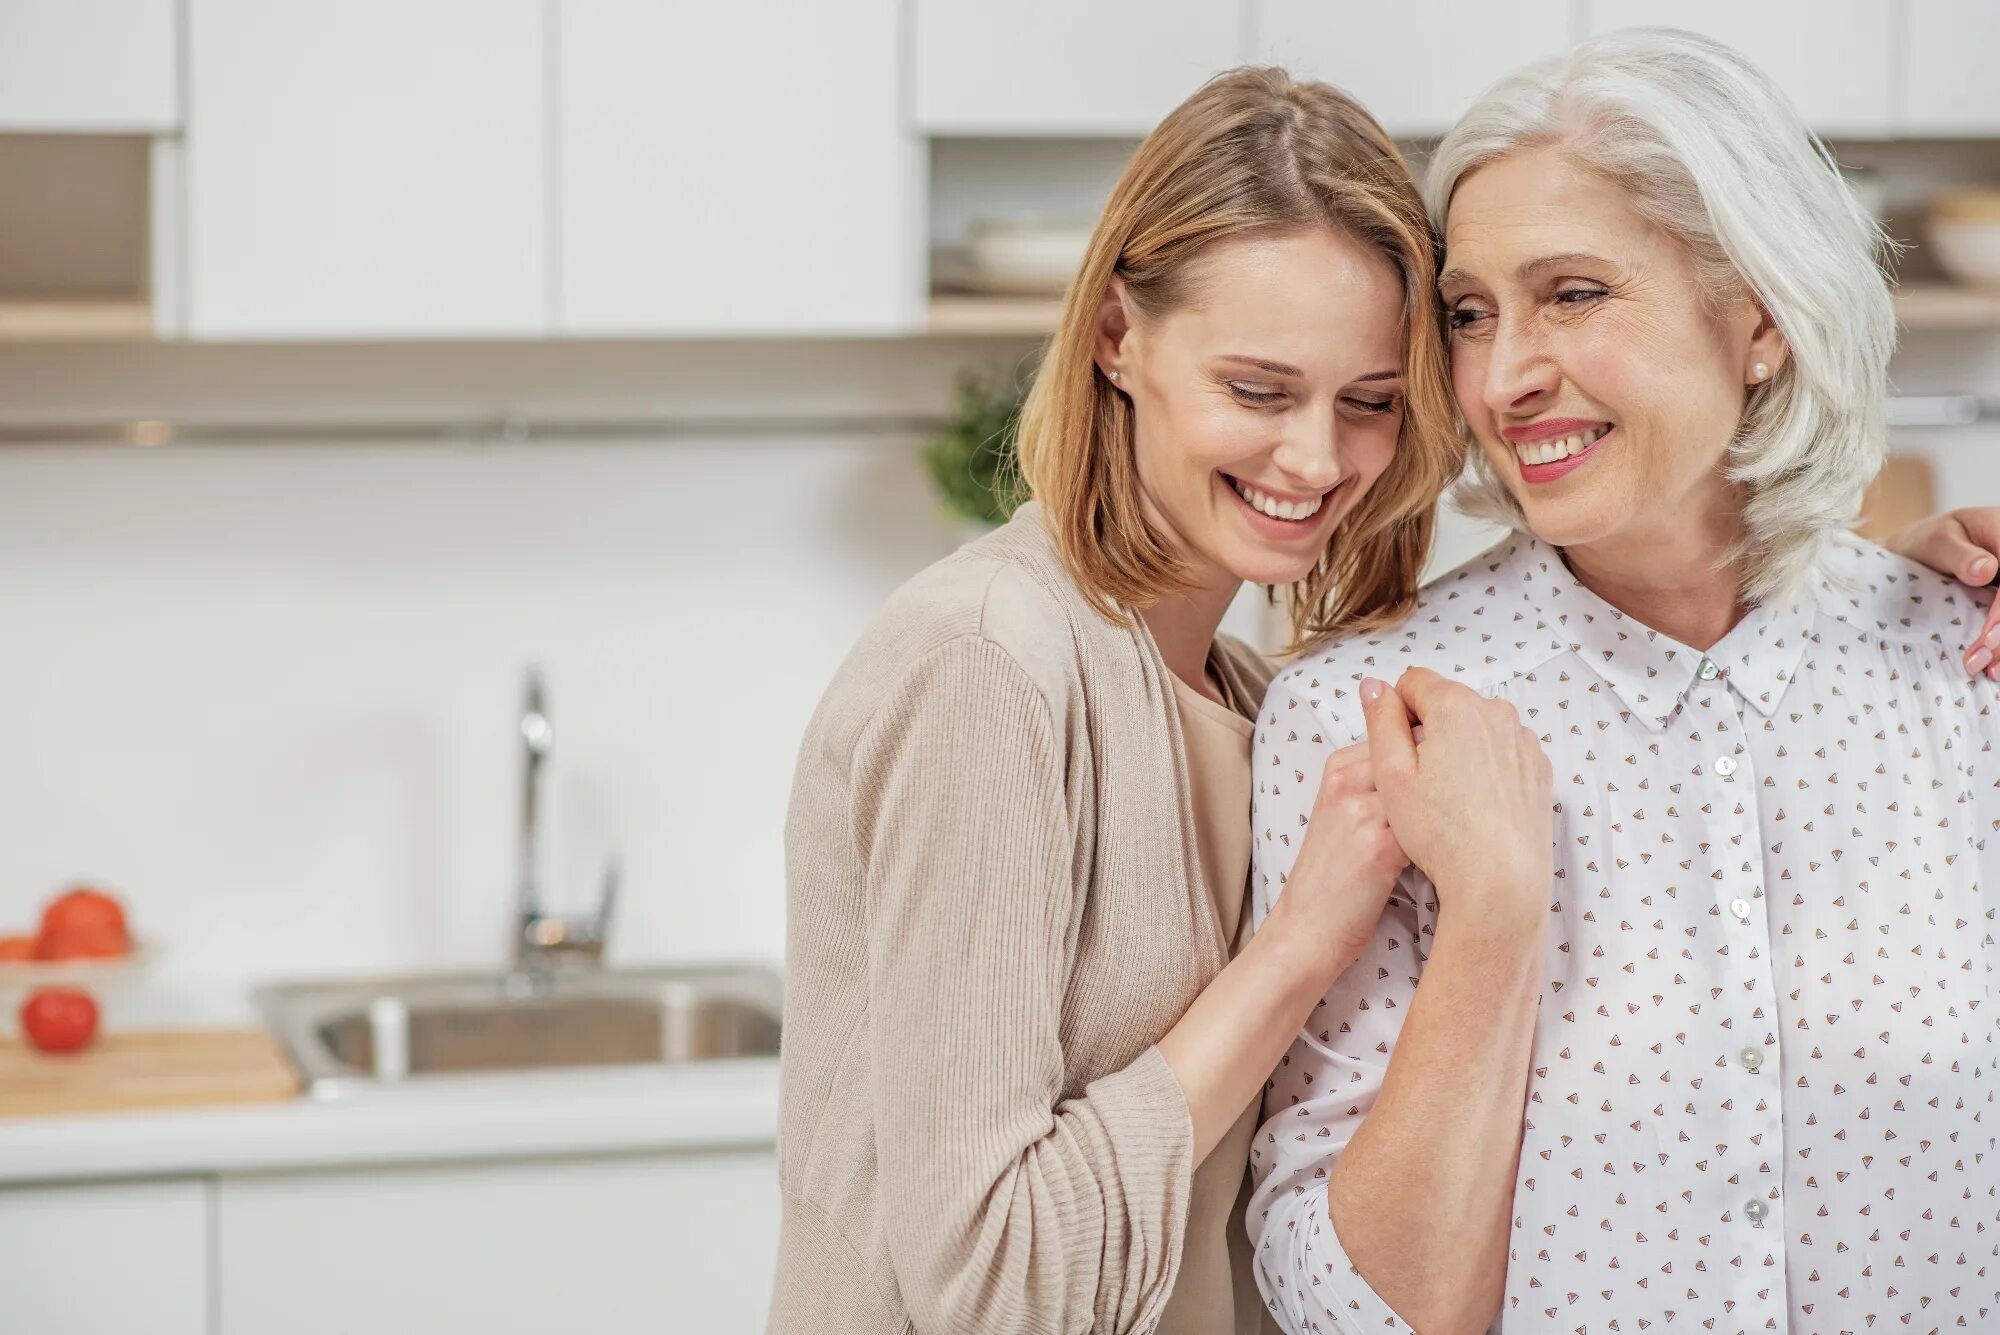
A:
(83, 942)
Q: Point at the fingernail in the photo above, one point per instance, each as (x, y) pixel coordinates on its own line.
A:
(1371, 689)
(1980, 658)
(1992, 639)
(1982, 569)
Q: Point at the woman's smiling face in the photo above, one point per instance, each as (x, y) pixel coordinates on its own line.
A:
(1601, 385)
(1267, 404)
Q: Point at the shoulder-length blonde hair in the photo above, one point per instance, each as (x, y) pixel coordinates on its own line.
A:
(1253, 152)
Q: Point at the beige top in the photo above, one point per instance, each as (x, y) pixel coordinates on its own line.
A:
(1217, 1290)
(995, 910)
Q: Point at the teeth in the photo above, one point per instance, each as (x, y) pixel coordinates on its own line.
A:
(1277, 509)
(1548, 451)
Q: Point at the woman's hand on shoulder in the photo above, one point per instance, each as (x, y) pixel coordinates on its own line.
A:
(1470, 802)
(1964, 544)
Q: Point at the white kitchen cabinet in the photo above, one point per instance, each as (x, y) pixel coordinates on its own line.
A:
(106, 1258)
(643, 1243)
(98, 66)
(1416, 65)
(1066, 67)
(1835, 58)
(1948, 74)
(699, 196)
(368, 169)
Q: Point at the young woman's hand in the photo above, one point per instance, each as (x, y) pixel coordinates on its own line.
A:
(1470, 804)
(1347, 865)
(1964, 544)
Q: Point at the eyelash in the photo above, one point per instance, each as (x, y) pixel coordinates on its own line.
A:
(1261, 399)
(1459, 318)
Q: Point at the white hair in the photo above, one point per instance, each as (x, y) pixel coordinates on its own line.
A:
(1710, 151)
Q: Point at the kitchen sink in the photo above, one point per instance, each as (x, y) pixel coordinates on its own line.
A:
(350, 1037)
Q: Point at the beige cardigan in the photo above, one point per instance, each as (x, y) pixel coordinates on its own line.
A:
(995, 910)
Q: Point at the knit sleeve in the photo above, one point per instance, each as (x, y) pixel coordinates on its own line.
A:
(1006, 1205)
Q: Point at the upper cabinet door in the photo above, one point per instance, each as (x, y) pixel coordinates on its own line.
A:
(1066, 67)
(1418, 64)
(1948, 68)
(106, 66)
(368, 169)
(700, 195)
(1834, 58)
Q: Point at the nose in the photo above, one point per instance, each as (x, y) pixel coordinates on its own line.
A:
(1309, 454)
(1518, 368)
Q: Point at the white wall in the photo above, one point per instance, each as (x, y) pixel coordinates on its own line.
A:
(267, 693)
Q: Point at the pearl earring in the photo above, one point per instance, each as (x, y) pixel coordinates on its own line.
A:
(1760, 370)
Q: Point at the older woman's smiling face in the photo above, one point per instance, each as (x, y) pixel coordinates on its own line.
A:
(1601, 386)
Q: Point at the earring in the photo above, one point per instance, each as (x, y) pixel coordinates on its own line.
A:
(1113, 375)
(1760, 370)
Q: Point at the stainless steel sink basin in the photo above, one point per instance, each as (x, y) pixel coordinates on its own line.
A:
(428, 1030)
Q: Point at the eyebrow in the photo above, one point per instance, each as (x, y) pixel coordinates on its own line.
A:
(1539, 265)
(1284, 368)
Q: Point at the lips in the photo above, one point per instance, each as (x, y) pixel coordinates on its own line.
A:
(1554, 447)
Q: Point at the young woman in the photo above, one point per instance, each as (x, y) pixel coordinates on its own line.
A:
(1025, 1034)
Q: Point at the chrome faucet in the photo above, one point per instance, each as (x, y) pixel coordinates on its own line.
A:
(544, 941)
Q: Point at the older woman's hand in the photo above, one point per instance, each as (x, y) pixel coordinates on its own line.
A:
(1966, 545)
(1471, 805)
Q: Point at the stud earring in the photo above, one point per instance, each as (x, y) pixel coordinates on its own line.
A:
(1760, 370)
(1113, 375)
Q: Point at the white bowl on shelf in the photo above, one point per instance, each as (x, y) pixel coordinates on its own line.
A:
(1965, 233)
(1024, 255)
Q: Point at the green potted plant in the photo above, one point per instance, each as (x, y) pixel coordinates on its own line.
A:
(972, 459)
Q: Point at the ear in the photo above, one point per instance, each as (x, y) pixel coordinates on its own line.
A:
(1111, 347)
(1767, 348)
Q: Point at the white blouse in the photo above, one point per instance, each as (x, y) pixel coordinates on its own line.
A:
(1761, 1095)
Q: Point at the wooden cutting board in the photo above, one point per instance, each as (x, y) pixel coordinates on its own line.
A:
(164, 1069)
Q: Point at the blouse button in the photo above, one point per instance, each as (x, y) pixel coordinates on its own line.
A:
(1752, 1059)
(1708, 671)
(1725, 765)
(1741, 908)
(1755, 1210)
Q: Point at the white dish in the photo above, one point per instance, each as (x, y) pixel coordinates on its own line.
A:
(1030, 254)
(1965, 233)
(112, 982)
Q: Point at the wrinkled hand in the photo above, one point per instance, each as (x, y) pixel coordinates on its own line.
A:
(1964, 544)
(1348, 863)
(1471, 805)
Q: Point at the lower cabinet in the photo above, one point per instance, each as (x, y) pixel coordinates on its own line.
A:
(644, 1243)
(106, 1258)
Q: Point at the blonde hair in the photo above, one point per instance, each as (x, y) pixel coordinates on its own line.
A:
(1253, 152)
(1709, 150)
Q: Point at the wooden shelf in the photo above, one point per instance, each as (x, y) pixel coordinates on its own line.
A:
(1940, 305)
(1919, 306)
(970, 315)
(71, 320)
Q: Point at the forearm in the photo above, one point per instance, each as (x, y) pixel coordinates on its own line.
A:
(1422, 1197)
(1226, 1045)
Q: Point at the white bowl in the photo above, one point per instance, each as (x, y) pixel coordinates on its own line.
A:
(1965, 232)
(1027, 253)
(112, 982)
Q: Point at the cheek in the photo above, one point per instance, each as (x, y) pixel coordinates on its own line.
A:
(1468, 374)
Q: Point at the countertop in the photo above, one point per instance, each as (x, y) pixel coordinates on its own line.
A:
(723, 1105)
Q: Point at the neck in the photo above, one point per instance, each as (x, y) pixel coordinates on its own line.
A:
(1184, 627)
(1672, 578)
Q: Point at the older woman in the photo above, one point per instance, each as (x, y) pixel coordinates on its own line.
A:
(1732, 1065)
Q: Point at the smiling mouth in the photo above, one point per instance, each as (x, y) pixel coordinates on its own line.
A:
(1291, 512)
(1562, 447)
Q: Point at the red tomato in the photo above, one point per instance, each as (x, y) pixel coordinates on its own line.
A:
(59, 1019)
(82, 923)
